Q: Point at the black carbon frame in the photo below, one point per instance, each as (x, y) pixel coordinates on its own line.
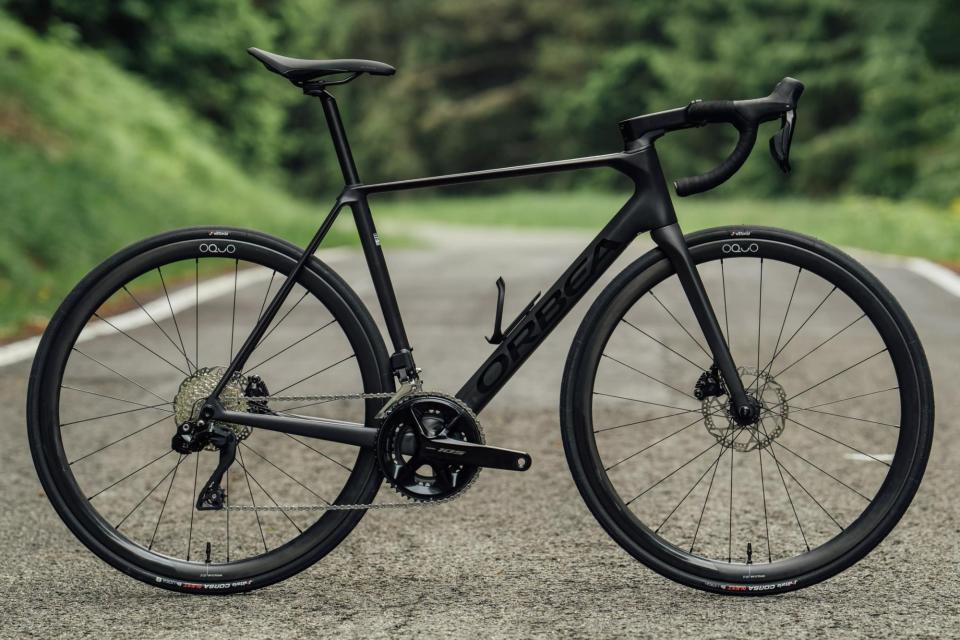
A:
(648, 209)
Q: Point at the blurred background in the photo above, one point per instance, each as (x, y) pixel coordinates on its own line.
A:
(123, 118)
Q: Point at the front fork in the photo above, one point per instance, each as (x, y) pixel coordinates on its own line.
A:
(671, 241)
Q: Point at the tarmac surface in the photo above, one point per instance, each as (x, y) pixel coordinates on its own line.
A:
(519, 555)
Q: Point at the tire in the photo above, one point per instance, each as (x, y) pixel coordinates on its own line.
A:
(196, 572)
(643, 525)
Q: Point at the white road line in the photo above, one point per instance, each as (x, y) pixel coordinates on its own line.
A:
(926, 269)
(873, 457)
(940, 276)
(181, 299)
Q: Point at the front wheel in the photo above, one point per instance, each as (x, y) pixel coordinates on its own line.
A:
(127, 357)
(816, 482)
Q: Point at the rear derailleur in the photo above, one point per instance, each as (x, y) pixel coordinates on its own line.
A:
(194, 436)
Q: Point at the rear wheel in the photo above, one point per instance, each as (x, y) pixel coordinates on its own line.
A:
(131, 350)
(846, 427)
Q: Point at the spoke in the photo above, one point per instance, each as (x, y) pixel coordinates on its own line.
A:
(103, 395)
(860, 395)
(137, 384)
(261, 456)
(654, 444)
(680, 324)
(149, 493)
(763, 493)
(655, 404)
(163, 506)
(838, 441)
(233, 317)
(669, 386)
(155, 407)
(84, 457)
(196, 308)
(316, 373)
(228, 513)
(783, 324)
(802, 325)
(671, 473)
(318, 452)
(730, 538)
(856, 364)
(266, 294)
(674, 351)
(829, 475)
(280, 321)
(759, 324)
(270, 497)
(797, 361)
(687, 494)
(253, 502)
(631, 424)
(193, 498)
(805, 490)
(288, 347)
(785, 488)
(162, 330)
(707, 497)
(176, 325)
(839, 415)
(786, 313)
(162, 456)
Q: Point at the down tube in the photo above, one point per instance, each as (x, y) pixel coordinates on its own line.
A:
(520, 343)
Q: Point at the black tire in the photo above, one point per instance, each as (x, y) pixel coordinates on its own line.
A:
(360, 486)
(643, 525)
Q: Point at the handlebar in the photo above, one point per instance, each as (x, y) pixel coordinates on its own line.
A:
(745, 115)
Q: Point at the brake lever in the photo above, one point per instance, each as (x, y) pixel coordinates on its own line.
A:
(780, 141)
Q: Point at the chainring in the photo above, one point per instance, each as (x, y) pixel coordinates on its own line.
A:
(411, 421)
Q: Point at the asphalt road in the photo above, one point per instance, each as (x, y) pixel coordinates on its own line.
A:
(519, 555)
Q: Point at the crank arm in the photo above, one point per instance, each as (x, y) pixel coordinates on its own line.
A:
(458, 451)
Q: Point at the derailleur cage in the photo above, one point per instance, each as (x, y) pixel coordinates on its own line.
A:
(192, 438)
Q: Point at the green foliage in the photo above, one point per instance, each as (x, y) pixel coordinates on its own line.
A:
(93, 159)
(510, 81)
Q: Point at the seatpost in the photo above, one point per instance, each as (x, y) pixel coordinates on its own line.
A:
(340, 144)
(401, 362)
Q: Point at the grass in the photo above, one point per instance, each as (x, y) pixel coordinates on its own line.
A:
(92, 159)
(904, 228)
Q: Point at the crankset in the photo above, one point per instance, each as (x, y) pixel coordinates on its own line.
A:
(431, 447)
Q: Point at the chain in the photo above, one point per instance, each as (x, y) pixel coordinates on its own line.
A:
(339, 507)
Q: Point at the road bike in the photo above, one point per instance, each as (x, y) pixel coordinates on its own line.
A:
(745, 410)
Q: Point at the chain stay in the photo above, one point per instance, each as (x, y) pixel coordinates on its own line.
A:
(336, 507)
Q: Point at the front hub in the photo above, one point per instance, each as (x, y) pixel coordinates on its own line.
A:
(760, 426)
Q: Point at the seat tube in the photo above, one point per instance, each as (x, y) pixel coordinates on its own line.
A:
(402, 360)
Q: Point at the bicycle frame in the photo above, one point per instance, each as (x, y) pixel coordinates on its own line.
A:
(649, 209)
